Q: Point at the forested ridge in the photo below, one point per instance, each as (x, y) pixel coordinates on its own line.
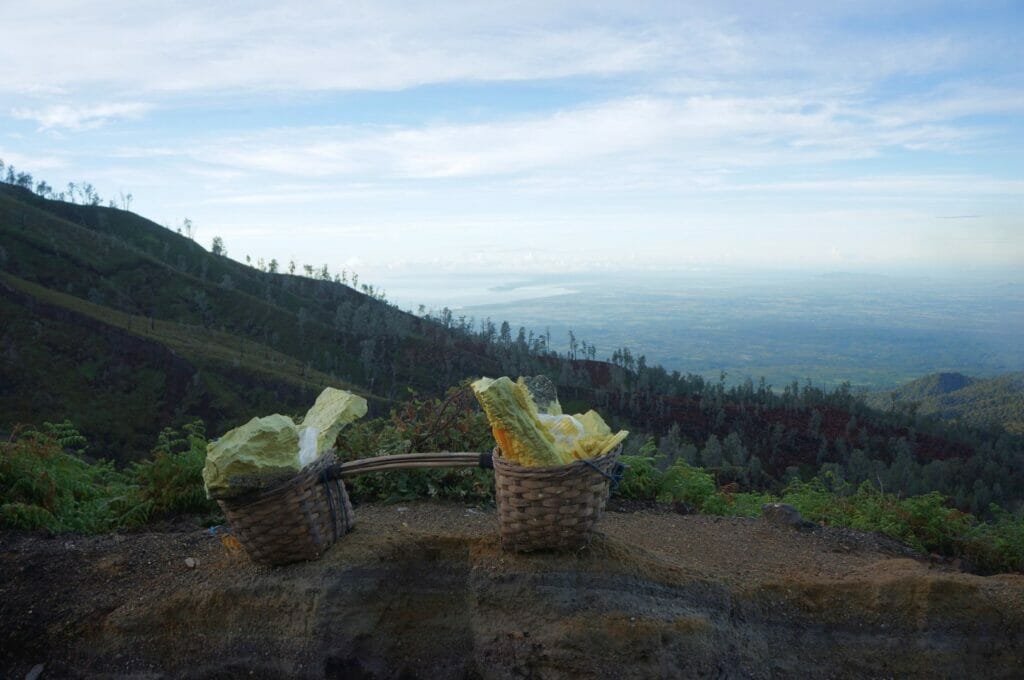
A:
(126, 327)
(954, 396)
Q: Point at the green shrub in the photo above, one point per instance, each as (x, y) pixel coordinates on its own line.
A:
(926, 523)
(454, 423)
(747, 504)
(691, 485)
(171, 481)
(641, 479)
(644, 479)
(996, 546)
(44, 486)
(45, 483)
(680, 482)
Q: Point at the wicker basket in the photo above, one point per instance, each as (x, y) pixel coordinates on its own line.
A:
(550, 507)
(294, 521)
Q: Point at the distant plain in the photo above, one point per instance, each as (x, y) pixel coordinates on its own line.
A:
(875, 331)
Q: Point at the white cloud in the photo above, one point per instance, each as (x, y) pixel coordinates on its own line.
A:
(75, 117)
(32, 162)
(661, 118)
(893, 185)
(650, 139)
(148, 46)
(144, 46)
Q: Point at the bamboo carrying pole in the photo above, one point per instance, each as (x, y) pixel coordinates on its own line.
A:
(408, 461)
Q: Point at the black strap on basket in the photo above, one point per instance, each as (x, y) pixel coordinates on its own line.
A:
(616, 474)
(339, 514)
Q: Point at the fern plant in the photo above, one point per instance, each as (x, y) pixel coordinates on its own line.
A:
(44, 486)
(171, 480)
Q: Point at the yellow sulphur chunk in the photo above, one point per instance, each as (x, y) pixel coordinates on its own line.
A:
(333, 410)
(598, 439)
(530, 438)
(263, 446)
(593, 424)
(513, 417)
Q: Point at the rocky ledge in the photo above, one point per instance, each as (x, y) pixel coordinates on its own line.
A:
(424, 591)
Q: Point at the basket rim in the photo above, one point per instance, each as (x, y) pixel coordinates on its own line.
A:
(509, 466)
(308, 474)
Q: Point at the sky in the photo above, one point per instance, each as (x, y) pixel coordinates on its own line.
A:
(391, 138)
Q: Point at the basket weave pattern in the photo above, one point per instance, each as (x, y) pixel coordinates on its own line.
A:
(550, 507)
(297, 520)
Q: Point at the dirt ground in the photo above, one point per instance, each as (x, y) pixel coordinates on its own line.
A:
(424, 590)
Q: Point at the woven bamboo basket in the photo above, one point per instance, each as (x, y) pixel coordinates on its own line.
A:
(550, 507)
(294, 521)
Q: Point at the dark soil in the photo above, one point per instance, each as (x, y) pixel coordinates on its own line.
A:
(424, 590)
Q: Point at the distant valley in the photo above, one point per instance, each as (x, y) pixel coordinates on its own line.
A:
(875, 332)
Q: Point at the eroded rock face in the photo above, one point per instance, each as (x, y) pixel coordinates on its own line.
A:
(399, 599)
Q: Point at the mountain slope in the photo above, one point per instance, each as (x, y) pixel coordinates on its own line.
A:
(125, 262)
(975, 401)
(125, 377)
(128, 327)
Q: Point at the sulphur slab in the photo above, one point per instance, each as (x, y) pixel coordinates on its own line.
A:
(263, 447)
(333, 410)
(593, 424)
(513, 418)
(532, 438)
(273, 448)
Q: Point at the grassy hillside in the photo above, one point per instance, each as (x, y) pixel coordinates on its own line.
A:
(129, 327)
(951, 396)
(124, 377)
(127, 263)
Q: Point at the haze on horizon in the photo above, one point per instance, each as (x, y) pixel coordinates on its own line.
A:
(540, 137)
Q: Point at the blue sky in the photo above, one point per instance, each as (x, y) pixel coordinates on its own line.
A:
(535, 137)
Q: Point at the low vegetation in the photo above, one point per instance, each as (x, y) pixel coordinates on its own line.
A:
(49, 481)
(928, 523)
(450, 424)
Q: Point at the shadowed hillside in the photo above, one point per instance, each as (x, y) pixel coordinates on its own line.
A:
(981, 402)
(109, 316)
